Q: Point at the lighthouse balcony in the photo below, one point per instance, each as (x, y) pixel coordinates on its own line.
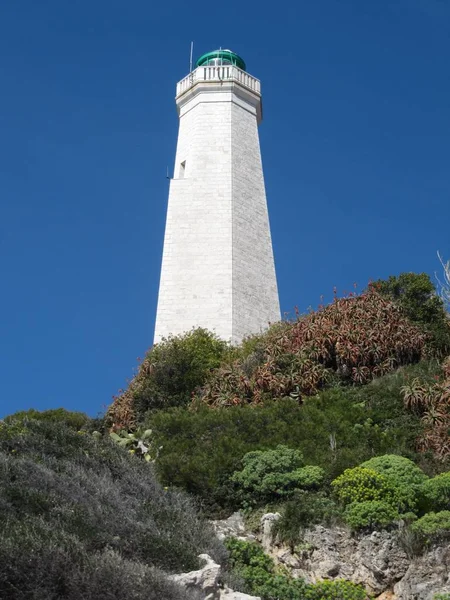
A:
(216, 74)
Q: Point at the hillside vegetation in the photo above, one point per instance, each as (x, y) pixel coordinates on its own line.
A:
(364, 377)
(341, 416)
(82, 519)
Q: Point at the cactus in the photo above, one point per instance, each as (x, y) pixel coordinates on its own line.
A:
(137, 442)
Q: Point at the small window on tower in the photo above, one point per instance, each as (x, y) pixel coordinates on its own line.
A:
(182, 169)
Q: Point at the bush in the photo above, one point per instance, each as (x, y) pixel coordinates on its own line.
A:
(433, 526)
(271, 474)
(74, 420)
(337, 590)
(55, 479)
(405, 476)
(400, 470)
(363, 485)
(169, 374)
(261, 578)
(336, 430)
(371, 514)
(436, 493)
(305, 510)
(416, 294)
(39, 561)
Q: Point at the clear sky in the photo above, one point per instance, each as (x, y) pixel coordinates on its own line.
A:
(356, 152)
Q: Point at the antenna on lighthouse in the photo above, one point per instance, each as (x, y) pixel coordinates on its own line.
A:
(190, 61)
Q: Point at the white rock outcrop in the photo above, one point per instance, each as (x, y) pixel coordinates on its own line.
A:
(234, 526)
(206, 582)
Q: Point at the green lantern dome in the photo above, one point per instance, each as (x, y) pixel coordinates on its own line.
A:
(221, 57)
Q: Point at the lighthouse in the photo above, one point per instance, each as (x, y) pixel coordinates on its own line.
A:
(218, 268)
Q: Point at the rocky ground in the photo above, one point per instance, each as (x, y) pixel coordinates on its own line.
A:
(377, 560)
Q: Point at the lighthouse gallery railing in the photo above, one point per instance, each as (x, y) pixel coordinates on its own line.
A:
(218, 73)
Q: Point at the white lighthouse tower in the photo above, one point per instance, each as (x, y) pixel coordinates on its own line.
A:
(217, 268)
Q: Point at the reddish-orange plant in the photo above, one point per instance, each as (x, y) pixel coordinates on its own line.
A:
(353, 339)
(432, 403)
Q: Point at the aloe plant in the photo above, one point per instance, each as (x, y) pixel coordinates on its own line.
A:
(354, 339)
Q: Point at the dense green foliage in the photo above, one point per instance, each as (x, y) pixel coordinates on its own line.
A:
(74, 420)
(387, 488)
(401, 471)
(272, 474)
(260, 577)
(433, 526)
(370, 514)
(169, 374)
(69, 498)
(436, 492)
(416, 294)
(338, 429)
(370, 498)
(363, 485)
(407, 478)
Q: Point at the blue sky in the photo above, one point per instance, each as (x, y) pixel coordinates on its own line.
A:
(355, 143)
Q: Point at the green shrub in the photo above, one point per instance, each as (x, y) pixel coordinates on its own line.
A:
(400, 470)
(370, 514)
(335, 430)
(337, 590)
(74, 420)
(271, 474)
(363, 485)
(416, 294)
(441, 597)
(405, 476)
(436, 493)
(249, 554)
(169, 374)
(433, 526)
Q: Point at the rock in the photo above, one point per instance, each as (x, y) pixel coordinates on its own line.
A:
(331, 568)
(206, 582)
(376, 560)
(267, 523)
(234, 526)
(426, 576)
(205, 579)
(286, 558)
